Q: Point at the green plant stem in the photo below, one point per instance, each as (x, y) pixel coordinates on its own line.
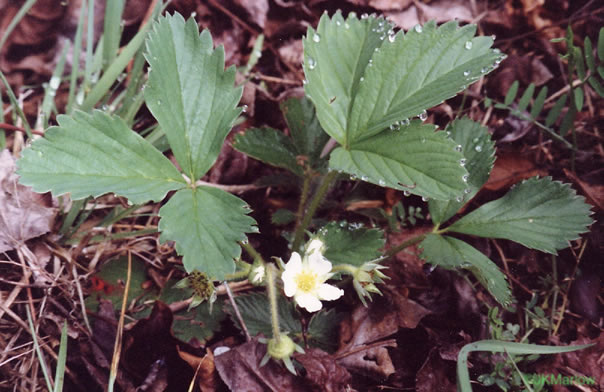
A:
(312, 208)
(251, 251)
(406, 244)
(303, 198)
(272, 296)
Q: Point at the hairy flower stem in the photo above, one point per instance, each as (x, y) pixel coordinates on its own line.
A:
(303, 198)
(272, 296)
(406, 244)
(312, 208)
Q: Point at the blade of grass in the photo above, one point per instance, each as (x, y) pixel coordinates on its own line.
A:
(60, 372)
(48, 102)
(497, 346)
(15, 104)
(13, 23)
(34, 336)
(120, 329)
(112, 30)
(114, 70)
(75, 63)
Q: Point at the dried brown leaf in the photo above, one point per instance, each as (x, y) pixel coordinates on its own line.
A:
(510, 168)
(323, 372)
(24, 214)
(240, 371)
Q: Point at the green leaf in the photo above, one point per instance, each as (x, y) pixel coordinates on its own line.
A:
(577, 59)
(351, 244)
(526, 97)
(306, 132)
(554, 112)
(269, 146)
(596, 85)
(94, 154)
(283, 217)
(479, 155)
(255, 312)
(335, 58)
(601, 44)
(451, 253)
(323, 330)
(539, 101)
(538, 213)
(415, 159)
(578, 92)
(416, 72)
(589, 55)
(189, 93)
(197, 323)
(206, 224)
(511, 94)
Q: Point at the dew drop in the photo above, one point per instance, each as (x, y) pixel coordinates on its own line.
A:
(424, 198)
(316, 37)
(493, 37)
(244, 108)
(459, 199)
(468, 45)
(364, 178)
(496, 51)
(346, 25)
(362, 79)
(158, 104)
(364, 16)
(305, 82)
(418, 28)
(462, 162)
(530, 220)
(311, 63)
(405, 122)
(353, 177)
(407, 193)
(478, 148)
(458, 148)
(467, 191)
(465, 177)
(475, 140)
(382, 37)
(352, 15)
(338, 23)
(423, 140)
(466, 73)
(395, 126)
(391, 37)
(376, 50)
(423, 116)
(382, 183)
(370, 63)
(484, 70)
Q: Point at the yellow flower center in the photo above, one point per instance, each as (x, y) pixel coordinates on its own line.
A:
(306, 281)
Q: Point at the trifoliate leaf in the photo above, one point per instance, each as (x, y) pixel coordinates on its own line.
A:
(451, 253)
(306, 132)
(189, 93)
(255, 312)
(323, 330)
(538, 213)
(479, 155)
(206, 224)
(335, 58)
(269, 146)
(351, 244)
(418, 71)
(415, 159)
(94, 154)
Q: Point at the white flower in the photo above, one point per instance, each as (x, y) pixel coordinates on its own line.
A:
(305, 280)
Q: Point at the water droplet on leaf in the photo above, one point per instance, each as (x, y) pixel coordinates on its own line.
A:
(468, 45)
(458, 148)
(423, 116)
(316, 37)
(462, 162)
(418, 28)
(478, 148)
(311, 63)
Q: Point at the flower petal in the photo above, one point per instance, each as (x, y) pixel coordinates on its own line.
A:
(308, 301)
(328, 292)
(318, 264)
(292, 268)
(314, 246)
